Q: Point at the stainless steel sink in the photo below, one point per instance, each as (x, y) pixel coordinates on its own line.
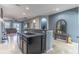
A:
(29, 33)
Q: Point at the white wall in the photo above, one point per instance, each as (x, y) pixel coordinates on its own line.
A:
(0, 32)
(37, 23)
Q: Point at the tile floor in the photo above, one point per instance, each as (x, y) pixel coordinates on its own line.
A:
(10, 46)
(59, 47)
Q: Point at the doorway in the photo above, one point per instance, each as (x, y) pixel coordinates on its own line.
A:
(17, 26)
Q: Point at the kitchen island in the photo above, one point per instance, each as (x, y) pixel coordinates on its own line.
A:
(31, 43)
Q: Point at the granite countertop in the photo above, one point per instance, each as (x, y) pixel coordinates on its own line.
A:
(32, 35)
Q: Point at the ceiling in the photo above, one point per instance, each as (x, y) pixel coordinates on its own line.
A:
(31, 10)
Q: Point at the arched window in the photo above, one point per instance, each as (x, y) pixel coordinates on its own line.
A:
(43, 23)
(61, 26)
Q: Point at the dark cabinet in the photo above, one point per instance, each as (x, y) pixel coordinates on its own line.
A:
(20, 42)
(34, 45)
(43, 45)
(24, 48)
(31, 45)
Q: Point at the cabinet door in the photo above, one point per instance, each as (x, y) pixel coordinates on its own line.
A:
(34, 45)
(20, 43)
(24, 46)
(43, 45)
(18, 40)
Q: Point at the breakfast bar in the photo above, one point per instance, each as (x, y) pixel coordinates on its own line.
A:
(30, 43)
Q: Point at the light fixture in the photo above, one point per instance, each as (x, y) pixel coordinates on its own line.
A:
(43, 20)
(1, 20)
(27, 8)
(57, 9)
(34, 21)
(24, 13)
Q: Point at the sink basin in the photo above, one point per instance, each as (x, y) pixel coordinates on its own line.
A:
(29, 33)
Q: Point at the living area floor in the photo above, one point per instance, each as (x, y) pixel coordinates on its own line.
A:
(59, 47)
(62, 47)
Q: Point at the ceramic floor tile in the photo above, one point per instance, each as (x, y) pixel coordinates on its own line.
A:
(61, 47)
(10, 46)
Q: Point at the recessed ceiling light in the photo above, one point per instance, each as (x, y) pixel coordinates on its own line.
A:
(24, 13)
(27, 8)
(57, 9)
